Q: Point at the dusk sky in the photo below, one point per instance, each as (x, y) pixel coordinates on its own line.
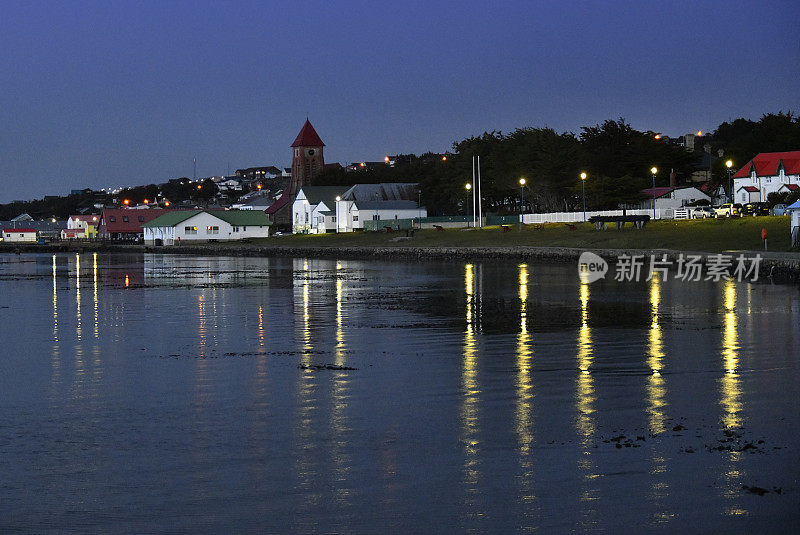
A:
(106, 94)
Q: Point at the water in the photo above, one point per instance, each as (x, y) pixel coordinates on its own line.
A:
(142, 393)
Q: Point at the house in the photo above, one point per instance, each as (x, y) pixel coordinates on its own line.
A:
(228, 184)
(126, 223)
(88, 223)
(182, 226)
(260, 201)
(73, 233)
(20, 235)
(768, 172)
(313, 210)
(747, 194)
(672, 197)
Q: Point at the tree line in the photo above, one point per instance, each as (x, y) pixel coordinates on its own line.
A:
(616, 157)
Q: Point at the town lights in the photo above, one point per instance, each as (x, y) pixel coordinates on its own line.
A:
(126, 202)
(444, 158)
(468, 187)
(199, 186)
(338, 198)
(386, 159)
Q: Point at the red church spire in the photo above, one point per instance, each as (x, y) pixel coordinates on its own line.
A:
(307, 137)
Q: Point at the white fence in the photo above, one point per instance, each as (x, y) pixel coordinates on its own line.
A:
(576, 217)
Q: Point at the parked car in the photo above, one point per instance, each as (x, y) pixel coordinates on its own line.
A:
(728, 210)
(755, 209)
(702, 212)
(779, 209)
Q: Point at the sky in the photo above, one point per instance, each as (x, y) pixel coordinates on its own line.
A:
(111, 93)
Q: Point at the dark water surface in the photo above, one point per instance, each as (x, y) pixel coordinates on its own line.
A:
(164, 393)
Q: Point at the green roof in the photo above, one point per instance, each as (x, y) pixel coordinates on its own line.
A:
(326, 194)
(170, 219)
(239, 218)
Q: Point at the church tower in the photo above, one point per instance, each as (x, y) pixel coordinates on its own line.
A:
(307, 157)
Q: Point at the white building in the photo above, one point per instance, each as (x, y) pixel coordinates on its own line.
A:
(794, 210)
(747, 194)
(672, 197)
(182, 226)
(768, 173)
(314, 209)
(20, 235)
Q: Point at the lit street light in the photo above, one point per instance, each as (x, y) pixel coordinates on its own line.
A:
(583, 189)
(522, 201)
(469, 188)
(337, 213)
(729, 164)
(654, 170)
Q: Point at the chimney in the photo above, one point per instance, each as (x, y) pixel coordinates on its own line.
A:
(672, 178)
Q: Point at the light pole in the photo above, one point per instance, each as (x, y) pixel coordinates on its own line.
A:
(583, 189)
(337, 213)
(419, 209)
(522, 201)
(729, 164)
(469, 188)
(654, 170)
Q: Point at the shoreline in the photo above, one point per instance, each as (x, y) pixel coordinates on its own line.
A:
(779, 267)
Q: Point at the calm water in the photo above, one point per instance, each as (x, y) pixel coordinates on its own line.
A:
(143, 393)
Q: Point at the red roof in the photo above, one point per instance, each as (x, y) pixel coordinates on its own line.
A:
(18, 230)
(133, 223)
(73, 231)
(282, 201)
(657, 192)
(751, 189)
(767, 163)
(307, 137)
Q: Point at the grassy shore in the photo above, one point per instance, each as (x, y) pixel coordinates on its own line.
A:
(704, 235)
(708, 235)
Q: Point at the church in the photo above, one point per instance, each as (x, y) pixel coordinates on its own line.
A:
(307, 161)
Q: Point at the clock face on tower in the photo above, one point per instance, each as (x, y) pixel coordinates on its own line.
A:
(310, 152)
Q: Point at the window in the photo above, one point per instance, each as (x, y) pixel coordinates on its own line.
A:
(333, 218)
(376, 217)
(190, 230)
(141, 219)
(355, 218)
(244, 229)
(112, 219)
(124, 219)
(212, 230)
(236, 229)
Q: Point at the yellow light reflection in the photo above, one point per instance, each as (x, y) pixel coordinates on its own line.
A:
(731, 396)
(306, 314)
(55, 302)
(260, 331)
(78, 319)
(524, 411)
(341, 393)
(96, 304)
(469, 377)
(656, 389)
(585, 424)
(656, 403)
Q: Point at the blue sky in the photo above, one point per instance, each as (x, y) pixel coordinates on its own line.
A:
(98, 94)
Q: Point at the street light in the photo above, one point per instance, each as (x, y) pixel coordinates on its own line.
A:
(469, 188)
(583, 189)
(338, 198)
(522, 201)
(654, 170)
(729, 164)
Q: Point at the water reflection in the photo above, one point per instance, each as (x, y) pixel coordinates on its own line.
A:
(585, 405)
(731, 397)
(78, 319)
(471, 391)
(95, 296)
(55, 364)
(524, 405)
(656, 403)
(341, 393)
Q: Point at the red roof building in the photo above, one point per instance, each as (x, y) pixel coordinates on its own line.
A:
(126, 223)
(768, 172)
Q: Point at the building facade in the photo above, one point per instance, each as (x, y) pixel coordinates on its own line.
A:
(768, 172)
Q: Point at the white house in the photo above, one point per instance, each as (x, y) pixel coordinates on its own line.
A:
(229, 184)
(88, 223)
(384, 211)
(182, 226)
(672, 197)
(769, 172)
(259, 201)
(310, 207)
(746, 194)
(19, 235)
